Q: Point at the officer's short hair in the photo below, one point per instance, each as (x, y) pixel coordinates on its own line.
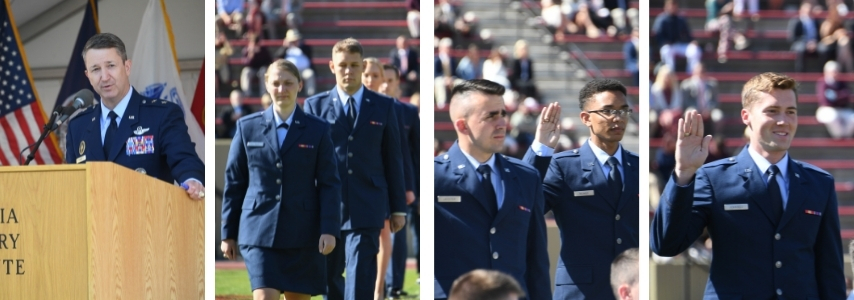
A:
(106, 40)
(485, 285)
(596, 86)
(766, 83)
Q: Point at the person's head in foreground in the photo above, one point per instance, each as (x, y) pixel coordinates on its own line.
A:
(347, 65)
(480, 120)
(283, 83)
(486, 285)
(770, 109)
(624, 275)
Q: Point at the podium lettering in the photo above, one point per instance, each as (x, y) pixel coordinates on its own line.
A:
(11, 218)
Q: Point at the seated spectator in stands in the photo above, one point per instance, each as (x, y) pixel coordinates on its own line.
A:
(391, 81)
(719, 19)
(834, 38)
(413, 18)
(483, 284)
(700, 93)
(590, 18)
(465, 30)
(625, 275)
(834, 100)
(630, 55)
(281, 12)
(295, 54)
(255, 19)
(665, 100)
(223, 69)
(522, 77)
(470, 66)
(257, 60)
(524, 122)
(230, 15)
(444, 15)
(443, 68)
(674, 37)
(803, 33)
(231, 114)
(405, 58)
(553, 18)
(752, 9)
(494, 70)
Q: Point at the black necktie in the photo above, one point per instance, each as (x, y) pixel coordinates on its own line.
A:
(111, 131)
(615, 181)
(488, 188)
(351, 112)
(774, 194)
(286, 127)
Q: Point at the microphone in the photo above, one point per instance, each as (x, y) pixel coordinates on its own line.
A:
(81, 99)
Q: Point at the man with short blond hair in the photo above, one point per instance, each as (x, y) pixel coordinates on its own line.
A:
(366, 136)
(483, 284)
(774, 220)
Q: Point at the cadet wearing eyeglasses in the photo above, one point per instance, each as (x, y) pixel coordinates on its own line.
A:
(592, 190)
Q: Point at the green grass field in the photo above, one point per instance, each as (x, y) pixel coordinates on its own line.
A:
(234, 285)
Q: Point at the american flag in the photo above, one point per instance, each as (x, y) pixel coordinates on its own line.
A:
(21, 114)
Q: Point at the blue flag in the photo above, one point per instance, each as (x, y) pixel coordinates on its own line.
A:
(75, 79)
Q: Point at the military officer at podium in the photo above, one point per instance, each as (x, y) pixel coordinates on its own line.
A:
(488, 207)
(281, 201)
(773, 220)
(143, 134)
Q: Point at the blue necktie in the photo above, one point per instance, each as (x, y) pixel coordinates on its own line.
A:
(488, 188)
(111, 132)
(774, 194)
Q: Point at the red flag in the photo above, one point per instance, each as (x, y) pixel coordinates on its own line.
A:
(198, 106)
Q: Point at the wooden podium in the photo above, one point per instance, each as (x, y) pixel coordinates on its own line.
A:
(98, 231)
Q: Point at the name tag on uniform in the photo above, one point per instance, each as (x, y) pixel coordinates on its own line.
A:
(254, 144)
(81, 159)
(742, 206)
(583, 193)
(450, 199)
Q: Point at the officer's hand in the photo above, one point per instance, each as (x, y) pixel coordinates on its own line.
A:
(229, 248)
(692, 147)
(195, 189)
(410, 197)
(326, 244)
(548, 127)
(397, 223)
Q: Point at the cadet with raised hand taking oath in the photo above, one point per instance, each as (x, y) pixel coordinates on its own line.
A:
(773, 220)
(488, 207)
(365, 133)
(593, 190)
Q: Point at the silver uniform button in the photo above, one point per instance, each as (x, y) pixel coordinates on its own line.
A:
(140, 170)
(349, 171)
(779, 292)
(350, 154)
(350, 138)
(778, 264)
(619, 241)
(777, 236)
(278, 181)
(278, 197)
(617, 217)
(492, 230)
(494, 255)
(279, 165)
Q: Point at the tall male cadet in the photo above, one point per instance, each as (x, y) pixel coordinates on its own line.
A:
(592, 190)
(366, 138)
(488, 207)
(773, 220)
(410, 134)
(143, 134)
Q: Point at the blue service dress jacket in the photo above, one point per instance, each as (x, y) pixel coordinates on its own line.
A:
(281, 196)
(800, 258)
(594, 226)
(151, 138)
(468, 236)
(370, 162)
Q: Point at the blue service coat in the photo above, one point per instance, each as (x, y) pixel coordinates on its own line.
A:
(281, 197)
(801, 258)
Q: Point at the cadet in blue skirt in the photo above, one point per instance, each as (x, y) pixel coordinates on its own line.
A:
(282, 200)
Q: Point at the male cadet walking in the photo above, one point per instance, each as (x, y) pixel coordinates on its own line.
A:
(592, 190)
(773, 220)
(489, 208)
(366, 138)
